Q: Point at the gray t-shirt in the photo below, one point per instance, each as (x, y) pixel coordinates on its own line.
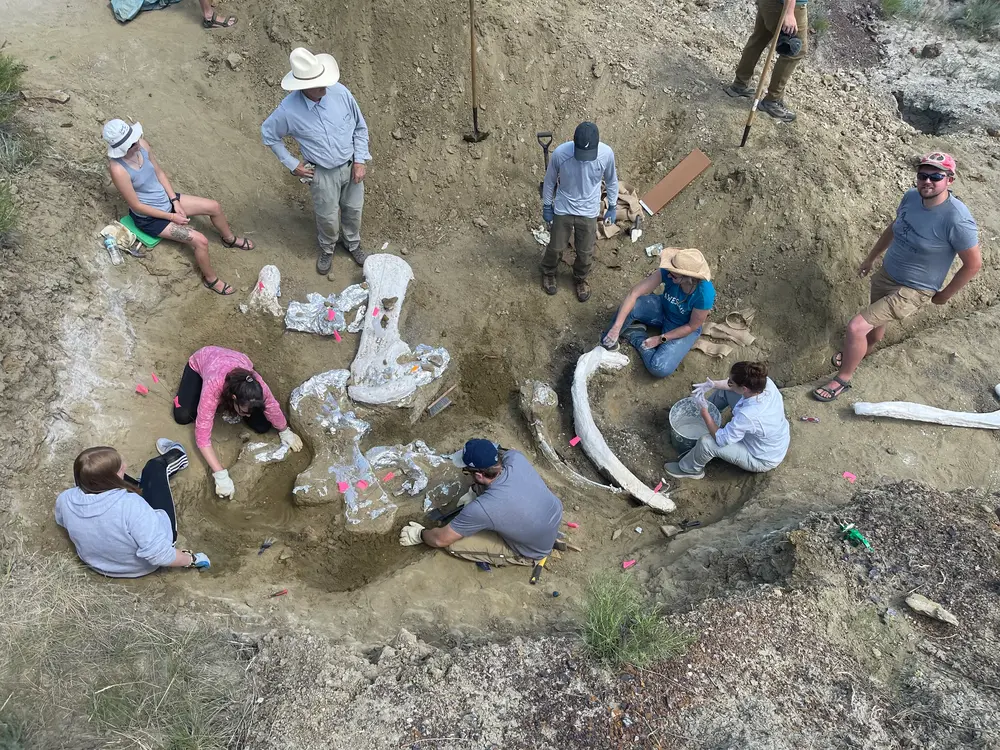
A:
(926, 240)
(518, 506)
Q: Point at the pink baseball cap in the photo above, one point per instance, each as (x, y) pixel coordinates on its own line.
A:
(941, 160)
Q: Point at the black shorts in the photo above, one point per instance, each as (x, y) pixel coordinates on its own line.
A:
(149, 224)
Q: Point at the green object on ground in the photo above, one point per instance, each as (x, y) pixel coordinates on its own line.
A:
(852, 535)
(145, 239)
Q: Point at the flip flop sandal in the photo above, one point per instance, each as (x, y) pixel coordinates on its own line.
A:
(216, 23)
(834, 394)
(837, 360)
(246, 244)
(227, 289)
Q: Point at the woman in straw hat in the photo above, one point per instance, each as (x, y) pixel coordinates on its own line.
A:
(154, 206)
(678, 312)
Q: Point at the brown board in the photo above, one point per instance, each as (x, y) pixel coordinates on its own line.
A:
(676, 180)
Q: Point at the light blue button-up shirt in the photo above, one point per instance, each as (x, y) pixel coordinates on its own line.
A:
(759, 423)
(579, 192)
(330, 132)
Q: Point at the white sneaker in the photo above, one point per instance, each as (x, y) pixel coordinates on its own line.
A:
(673, 468)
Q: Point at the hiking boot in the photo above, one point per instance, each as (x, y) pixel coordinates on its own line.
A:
(359, 255)
(777, 110)
(323, 263)
(738, 89)
(673, 468)
(582, 290)
(549, 283)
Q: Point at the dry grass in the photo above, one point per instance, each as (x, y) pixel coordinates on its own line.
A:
(83, 659)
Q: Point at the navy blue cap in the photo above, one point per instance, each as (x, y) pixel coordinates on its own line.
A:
(789, 45)
(585, 141)
(480, 454)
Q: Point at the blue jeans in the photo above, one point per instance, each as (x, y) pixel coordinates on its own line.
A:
(665, 358)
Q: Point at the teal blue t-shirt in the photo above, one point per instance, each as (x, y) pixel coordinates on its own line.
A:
(677, 304)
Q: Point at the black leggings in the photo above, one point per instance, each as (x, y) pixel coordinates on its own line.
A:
(189, 394)
(155, 485)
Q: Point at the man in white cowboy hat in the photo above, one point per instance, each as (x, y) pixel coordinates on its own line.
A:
(678, 312)
(324, 119)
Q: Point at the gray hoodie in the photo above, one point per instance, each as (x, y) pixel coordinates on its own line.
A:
(115, 532)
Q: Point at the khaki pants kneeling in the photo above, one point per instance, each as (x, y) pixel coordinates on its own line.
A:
(488, 547)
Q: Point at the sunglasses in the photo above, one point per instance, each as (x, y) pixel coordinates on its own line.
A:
(931, 176)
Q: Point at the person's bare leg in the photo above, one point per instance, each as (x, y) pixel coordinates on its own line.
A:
(195, 206)
(856, 345)
(208, 13)
(874, 337)
(199, 244)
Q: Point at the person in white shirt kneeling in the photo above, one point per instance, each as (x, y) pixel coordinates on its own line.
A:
(755, 439)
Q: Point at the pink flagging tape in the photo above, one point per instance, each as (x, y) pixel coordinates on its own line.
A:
(628, 564)
(375, 313)
(329, 313)
(260, 286)
(573, 525)
(575, 441)
(850, 477)
(140, 388)
(177, 402)
(343, 486)
(155, 379)
(362, 484)
(388, 477)
(336, 337)
(658, 487)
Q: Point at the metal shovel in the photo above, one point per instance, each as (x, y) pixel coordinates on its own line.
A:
(476, 135)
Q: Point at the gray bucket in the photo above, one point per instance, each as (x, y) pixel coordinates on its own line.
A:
(686, 424)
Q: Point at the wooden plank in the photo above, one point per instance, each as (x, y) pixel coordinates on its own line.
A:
(676, 180)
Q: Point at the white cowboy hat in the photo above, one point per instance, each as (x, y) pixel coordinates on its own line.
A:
(310, 71)
(120, 137)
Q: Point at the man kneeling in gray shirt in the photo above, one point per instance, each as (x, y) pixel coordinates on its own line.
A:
(513, 521)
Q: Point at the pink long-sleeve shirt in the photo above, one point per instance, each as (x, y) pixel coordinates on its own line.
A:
(213, 363)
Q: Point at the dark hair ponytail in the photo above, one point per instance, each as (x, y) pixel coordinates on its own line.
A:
(752, 375)
(244, 388)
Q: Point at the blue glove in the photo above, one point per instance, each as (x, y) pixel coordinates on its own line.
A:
(201, 561)
(548, 214)
(611, 215)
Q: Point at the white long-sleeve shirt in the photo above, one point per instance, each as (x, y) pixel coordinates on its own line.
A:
(759, 423)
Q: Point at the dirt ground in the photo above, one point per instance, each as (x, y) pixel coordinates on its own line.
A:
(783, 223)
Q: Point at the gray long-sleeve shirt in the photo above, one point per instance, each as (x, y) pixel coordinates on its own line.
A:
(330, 132)
(579, 182)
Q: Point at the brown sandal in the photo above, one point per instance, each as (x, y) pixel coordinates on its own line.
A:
(226, 290)
(834, 392)
(215, 22)
(244, 244)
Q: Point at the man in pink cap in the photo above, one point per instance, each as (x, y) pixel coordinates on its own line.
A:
(932, 226)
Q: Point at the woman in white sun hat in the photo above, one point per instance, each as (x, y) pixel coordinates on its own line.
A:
(154, 206)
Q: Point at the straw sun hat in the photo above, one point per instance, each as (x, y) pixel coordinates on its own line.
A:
(686, 261)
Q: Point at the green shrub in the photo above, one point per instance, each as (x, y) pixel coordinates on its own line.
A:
(905, 8)
(8, 214)
(10, 85)
(621, 628)
(982, 16)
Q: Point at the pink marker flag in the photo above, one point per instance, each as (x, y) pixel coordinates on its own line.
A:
(362, 484)
(177, 402)
(260, 285)
(658, 487)
(388, 477)
(343, 486)
(140, 388)
(329, 313)
(575, 441)
(850, 477)
(572, 525)
(375, 313)
(336, 337)
(155, 379)
(628, 564)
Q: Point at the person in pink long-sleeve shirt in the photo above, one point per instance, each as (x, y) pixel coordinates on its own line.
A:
(215, 377)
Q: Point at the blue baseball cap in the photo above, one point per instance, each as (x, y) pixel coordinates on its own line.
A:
(480, 454)
(586, 139)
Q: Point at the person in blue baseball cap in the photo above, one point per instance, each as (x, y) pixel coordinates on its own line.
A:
(509, 518)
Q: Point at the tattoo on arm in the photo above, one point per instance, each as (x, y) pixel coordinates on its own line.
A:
(179, 233)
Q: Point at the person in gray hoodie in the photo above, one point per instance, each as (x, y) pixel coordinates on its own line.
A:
(121, 527)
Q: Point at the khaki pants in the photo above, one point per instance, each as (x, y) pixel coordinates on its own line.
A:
(488, 547)
(584, 231)
(337, 202)
(892, 301)
(769, 14)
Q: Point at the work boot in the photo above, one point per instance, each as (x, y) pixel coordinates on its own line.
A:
(549, 282)
(777, 110)
(738, 89)
(359, 255)
(323, 263)
(582, 290)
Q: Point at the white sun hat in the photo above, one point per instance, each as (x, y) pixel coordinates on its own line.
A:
(120, 137)
(310, 71)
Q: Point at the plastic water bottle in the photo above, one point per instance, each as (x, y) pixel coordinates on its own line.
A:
(112, 247)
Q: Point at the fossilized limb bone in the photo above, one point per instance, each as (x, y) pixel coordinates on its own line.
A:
(591, 438)
(264, 297)
(538, 402)
(385, 370)
(324, 315)
(922, 413)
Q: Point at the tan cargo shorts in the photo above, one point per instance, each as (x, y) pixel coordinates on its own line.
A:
(489, 547)
(892, 301)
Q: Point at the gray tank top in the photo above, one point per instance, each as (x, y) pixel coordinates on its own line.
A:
(147, 188)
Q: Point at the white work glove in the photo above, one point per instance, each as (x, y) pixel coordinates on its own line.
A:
(198, 559)
(467, 498)
(409, 535)
(699, 398)
(290, 439)
(702, 389)
(224, 486)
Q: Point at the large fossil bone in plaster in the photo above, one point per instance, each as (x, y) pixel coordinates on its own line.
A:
(324, 315)
(594, 444)
(320, 413)
(923, 413)
(264, 297)
(385, 369)
(540, 404)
